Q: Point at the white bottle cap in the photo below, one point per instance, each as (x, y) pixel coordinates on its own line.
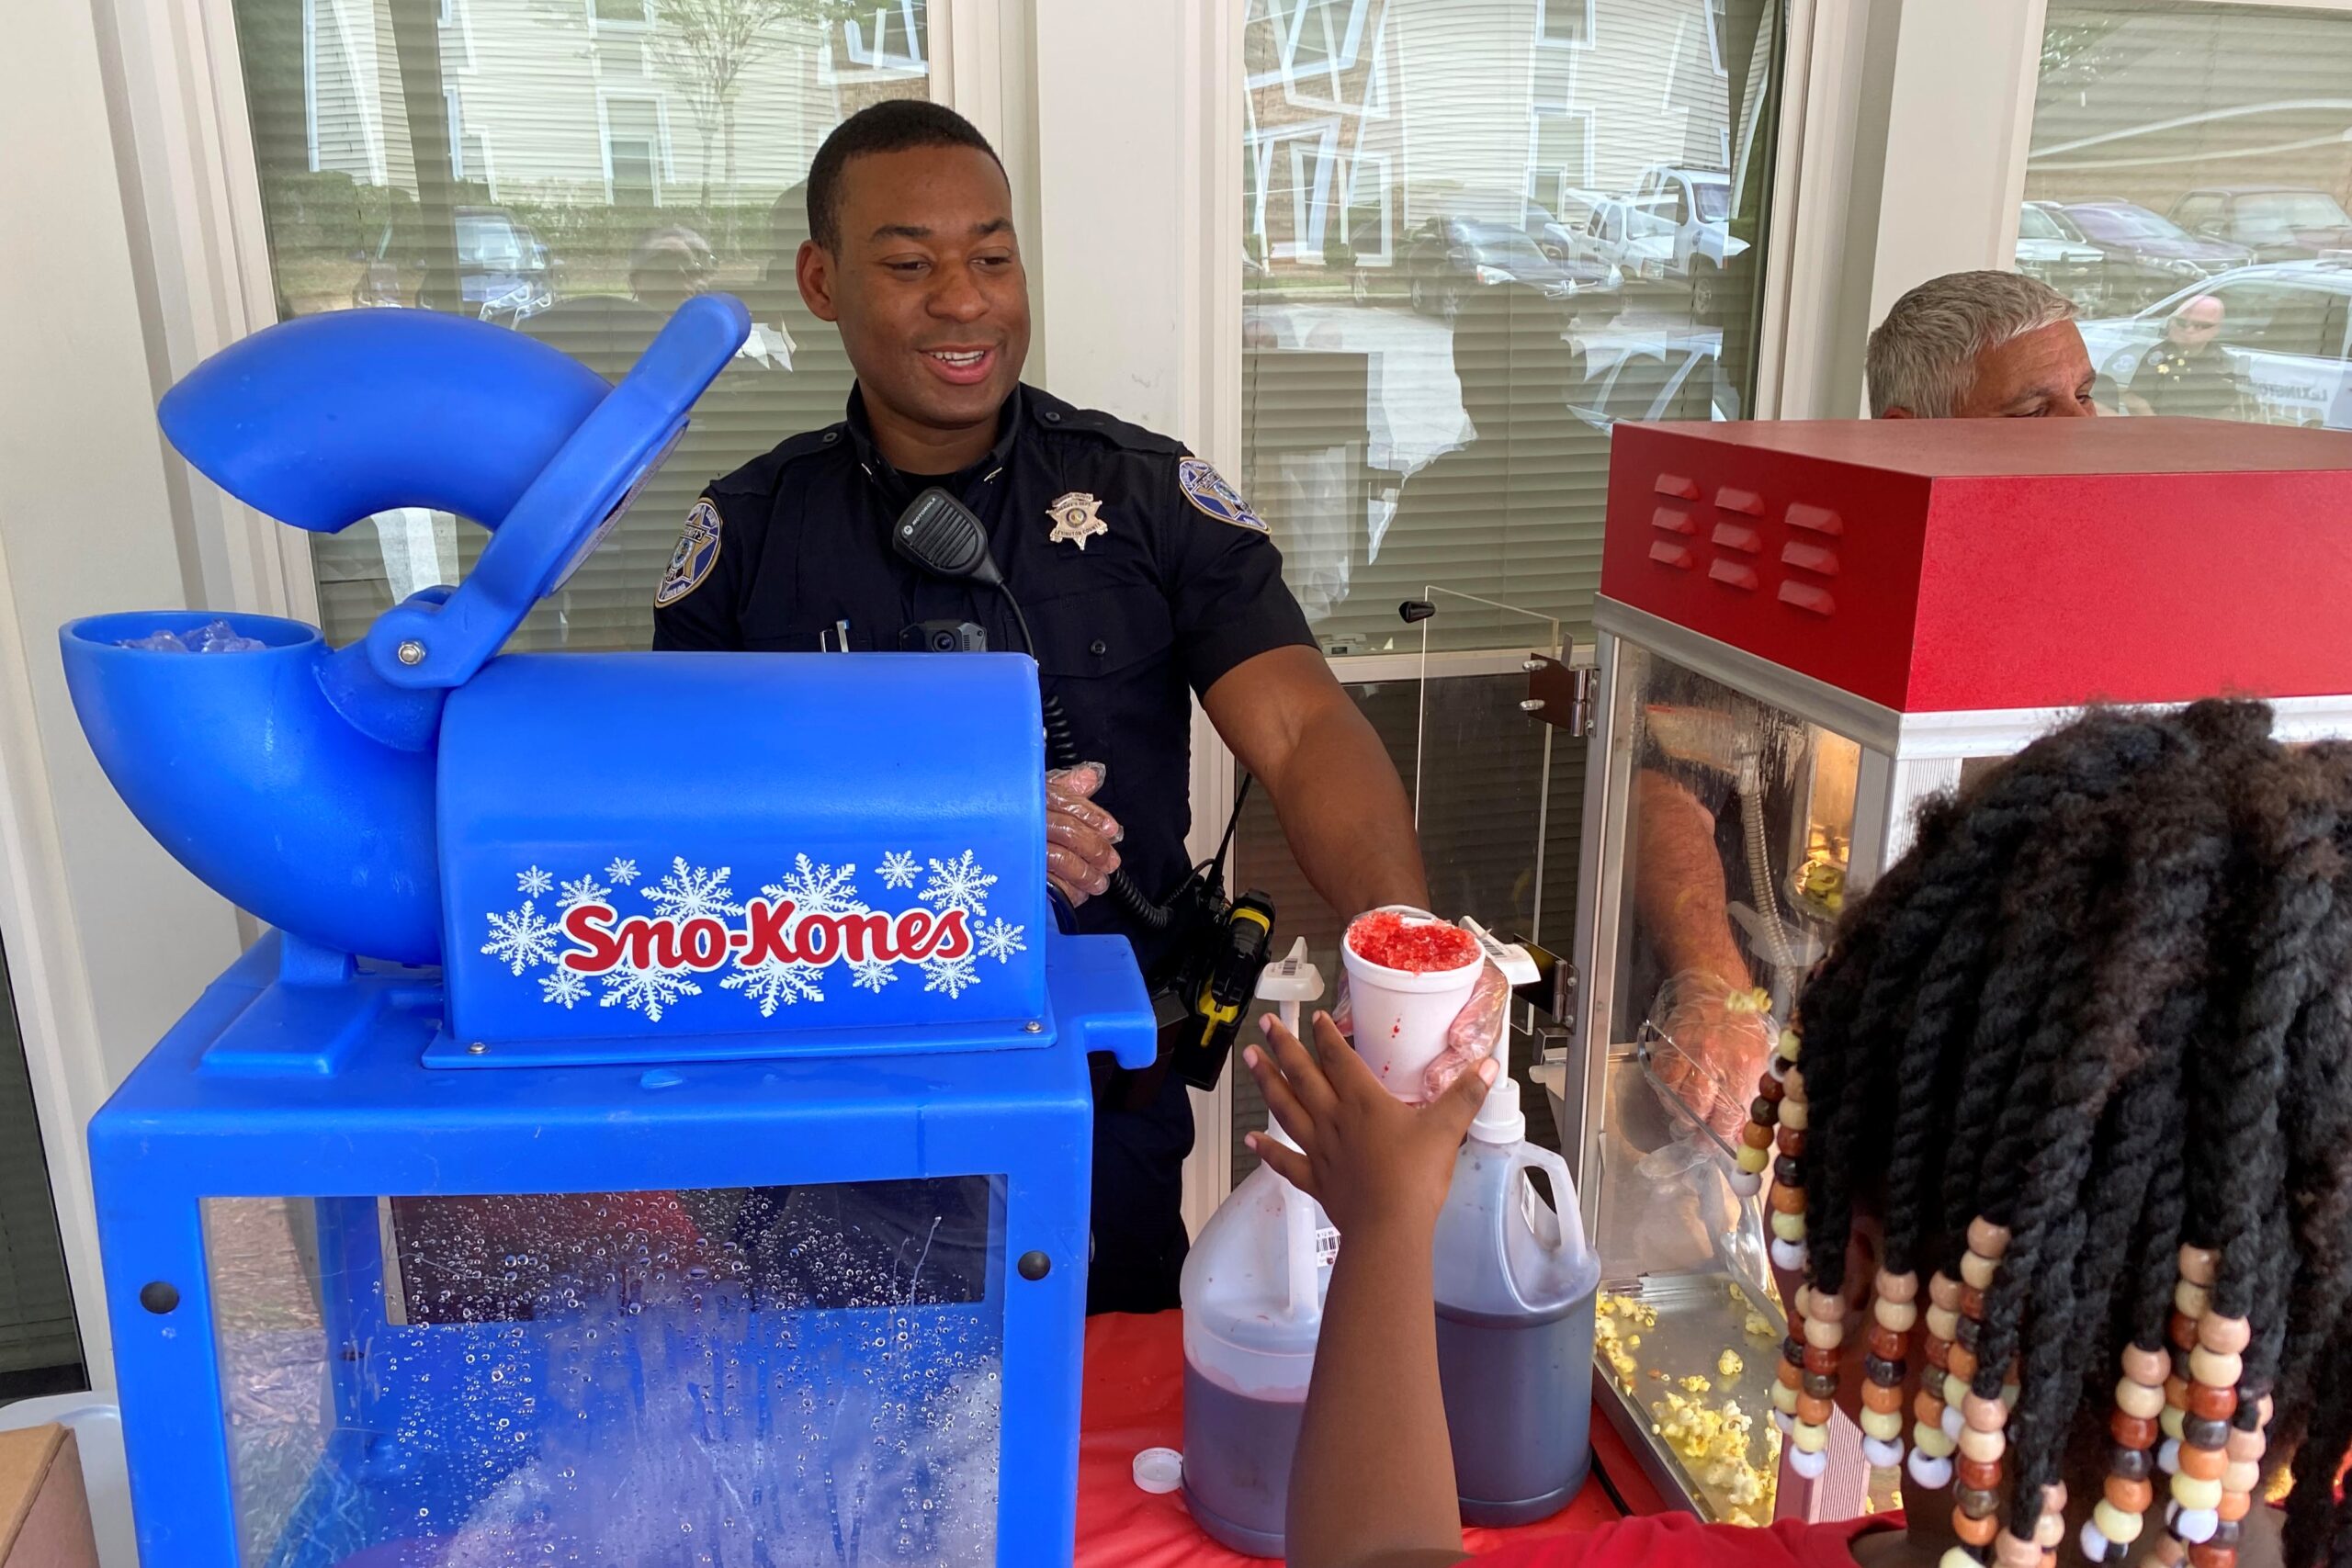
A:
(1291, 978)
(1159, 1470)
(1499, 1119)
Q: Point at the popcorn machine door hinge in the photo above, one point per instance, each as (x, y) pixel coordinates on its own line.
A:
(1559, 693)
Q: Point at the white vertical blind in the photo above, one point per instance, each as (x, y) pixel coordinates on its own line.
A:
(507, 159)
(1477, 234)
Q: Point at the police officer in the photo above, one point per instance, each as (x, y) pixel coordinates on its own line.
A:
(2189, 373)
(1146, 580)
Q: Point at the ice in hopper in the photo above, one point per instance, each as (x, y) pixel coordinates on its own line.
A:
(214, 637)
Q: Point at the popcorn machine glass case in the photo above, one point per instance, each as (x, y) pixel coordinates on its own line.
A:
(1805, 630)
(1728, 827)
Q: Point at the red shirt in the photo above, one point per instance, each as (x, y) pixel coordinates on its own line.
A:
(1677, 1541)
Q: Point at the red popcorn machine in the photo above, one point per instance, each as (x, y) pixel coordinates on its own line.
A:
(1805, 630)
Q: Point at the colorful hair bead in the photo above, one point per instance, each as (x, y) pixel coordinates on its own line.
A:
(1756, 1138)
(2214, 1443)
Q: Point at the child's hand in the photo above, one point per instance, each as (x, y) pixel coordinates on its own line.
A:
(1364, 1154)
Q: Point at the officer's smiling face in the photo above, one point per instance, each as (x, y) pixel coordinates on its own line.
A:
(928, 288)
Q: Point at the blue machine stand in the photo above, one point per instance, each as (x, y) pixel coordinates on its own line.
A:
(657, 1127)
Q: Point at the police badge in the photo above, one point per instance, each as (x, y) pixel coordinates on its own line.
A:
(1214, 496)
(1076, 518)
(696, 553)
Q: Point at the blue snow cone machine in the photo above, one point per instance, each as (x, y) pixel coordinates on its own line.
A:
(655, 1128)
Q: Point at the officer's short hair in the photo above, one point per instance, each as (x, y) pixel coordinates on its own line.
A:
(1923, 356)
(895, 125)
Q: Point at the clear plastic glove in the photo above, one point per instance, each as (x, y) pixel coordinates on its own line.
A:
(1716, 1039)
(1081, 839)
(1475, 1034)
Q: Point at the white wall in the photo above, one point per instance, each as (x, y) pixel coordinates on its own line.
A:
(1964, 73)
(107, 939)
(1138, 229)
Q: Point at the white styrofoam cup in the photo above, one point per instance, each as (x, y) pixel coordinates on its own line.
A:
(1401, 1015)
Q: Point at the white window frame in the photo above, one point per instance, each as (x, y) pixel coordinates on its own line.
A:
(457, 129)
(1544, 39)
(1535, 119)
(1381, 162)
(666, 172)
(1288, 18)
(1310, 192)
(643, 23)
(1711, 13)
(877, 58)
(371, 125)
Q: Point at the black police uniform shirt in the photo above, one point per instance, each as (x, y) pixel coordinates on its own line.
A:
(1144, 578)
(2202, 385)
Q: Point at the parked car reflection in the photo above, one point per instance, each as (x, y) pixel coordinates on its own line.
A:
(504, 273)
(2148, 256)
(1630, 238)
(2285, 328)
(1450, 258)
(2277, 222)
(2051, 248)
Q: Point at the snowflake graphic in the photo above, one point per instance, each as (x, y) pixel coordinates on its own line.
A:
(898, 869)
(1000, 940)
(950, 974)
(584, 891)
(645, 990)
(772, 983)
(521, 938)
(688, 893)
(817, 889)
(958, 884)
(872, 973)
(622, 872)
(563, 987)
(534, 882)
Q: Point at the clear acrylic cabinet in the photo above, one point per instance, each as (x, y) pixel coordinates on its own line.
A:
(1805, 630)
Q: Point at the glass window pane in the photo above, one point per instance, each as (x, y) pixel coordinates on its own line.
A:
(2199, 150)
(572, 169)
(41, 1348)
(1461, 214)
(515, 1377)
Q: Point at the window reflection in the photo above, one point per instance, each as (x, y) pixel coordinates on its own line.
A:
(1476, 235)
(572, 169)
(2186, 186)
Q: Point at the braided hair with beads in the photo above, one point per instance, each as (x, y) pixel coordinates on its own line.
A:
(2086, 1057)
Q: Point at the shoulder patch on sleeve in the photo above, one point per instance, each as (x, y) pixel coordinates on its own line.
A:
(1210, 493)
(696, 553)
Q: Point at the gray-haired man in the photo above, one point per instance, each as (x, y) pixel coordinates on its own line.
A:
(1969, 346)
(1980, 346)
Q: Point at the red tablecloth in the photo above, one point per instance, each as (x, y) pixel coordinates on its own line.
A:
(1135, 1400)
